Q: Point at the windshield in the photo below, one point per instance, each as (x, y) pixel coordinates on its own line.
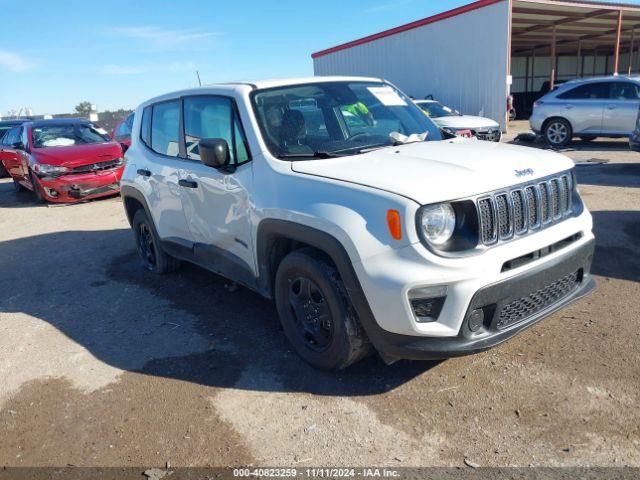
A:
(337, 118)
(67, 135)
(436, 109)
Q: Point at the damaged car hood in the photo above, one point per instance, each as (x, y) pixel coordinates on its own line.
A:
(430, 172)
(78, 155)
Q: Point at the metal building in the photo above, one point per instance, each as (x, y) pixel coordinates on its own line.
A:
(474, 56)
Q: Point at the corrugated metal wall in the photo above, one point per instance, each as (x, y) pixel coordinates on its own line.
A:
(461, 61)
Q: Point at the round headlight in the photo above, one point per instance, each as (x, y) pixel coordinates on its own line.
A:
(438, 223)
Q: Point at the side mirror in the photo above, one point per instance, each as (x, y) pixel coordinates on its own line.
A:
(214, 152)
(124, 147)
(18, 146)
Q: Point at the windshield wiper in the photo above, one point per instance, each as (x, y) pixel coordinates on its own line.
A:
(309, 155)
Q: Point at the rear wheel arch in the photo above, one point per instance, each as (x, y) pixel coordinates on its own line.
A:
(133, 200)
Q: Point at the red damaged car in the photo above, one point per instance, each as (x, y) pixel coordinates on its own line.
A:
(62, 160)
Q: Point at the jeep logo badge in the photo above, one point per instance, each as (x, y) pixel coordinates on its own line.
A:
(524, 173)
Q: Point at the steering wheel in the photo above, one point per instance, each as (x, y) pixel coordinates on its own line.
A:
(358, 135)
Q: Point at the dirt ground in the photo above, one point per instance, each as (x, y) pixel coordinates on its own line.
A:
(104, 364)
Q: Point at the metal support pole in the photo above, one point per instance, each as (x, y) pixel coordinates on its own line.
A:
(579, 60)
(616, 60)
(633, 38)
(526, 76)
(533, 69)
(552, 77)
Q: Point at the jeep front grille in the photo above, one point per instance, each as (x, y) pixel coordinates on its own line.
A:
(518, 211)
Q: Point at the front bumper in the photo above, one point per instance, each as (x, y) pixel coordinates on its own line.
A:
(77, 187)
(507, 295)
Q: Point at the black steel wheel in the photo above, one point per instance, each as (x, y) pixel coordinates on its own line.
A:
(150, 251)
(311, 313)
(316, 313)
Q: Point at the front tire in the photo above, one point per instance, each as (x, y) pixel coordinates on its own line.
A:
(17, 186)
(150, 251)
(316, 313)
(558, 132)
(36, 188)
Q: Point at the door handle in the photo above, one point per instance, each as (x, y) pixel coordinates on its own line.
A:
(188, 183)
(568, 107)
(144, 172)
(611, 107)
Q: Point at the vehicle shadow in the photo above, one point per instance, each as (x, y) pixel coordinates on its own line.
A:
(617, 239)
(609, 174)
(599, 145)
(186, 326)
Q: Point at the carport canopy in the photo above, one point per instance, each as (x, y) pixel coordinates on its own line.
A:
(552, 28)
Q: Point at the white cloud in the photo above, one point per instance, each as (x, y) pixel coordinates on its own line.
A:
(160, 38)
(113, 69)
(14, 62)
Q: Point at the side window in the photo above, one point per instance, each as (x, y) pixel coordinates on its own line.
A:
(123, 131)
(24, 138)
(145, 131)
(590, 91)
(213, 117)
(165, 126)
(129, 121)
(624, 91)
(12, 136)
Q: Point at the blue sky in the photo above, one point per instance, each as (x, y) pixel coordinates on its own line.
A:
(118, 53)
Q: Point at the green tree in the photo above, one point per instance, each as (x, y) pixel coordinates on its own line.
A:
(83, 108)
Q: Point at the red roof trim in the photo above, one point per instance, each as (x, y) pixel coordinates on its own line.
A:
(408, 26)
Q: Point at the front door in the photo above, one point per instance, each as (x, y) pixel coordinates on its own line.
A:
(217, 203)
(621, 110)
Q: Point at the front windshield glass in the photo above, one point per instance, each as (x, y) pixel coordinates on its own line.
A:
(337, 118)
(67, 135)
(436, 110)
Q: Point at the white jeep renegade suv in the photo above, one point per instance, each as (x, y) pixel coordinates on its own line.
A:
(368, 226)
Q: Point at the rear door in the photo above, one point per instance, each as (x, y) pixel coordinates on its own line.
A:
(584, 105)
(621, 108)
(217, 203)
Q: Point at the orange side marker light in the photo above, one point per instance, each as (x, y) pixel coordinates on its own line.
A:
(395, 224)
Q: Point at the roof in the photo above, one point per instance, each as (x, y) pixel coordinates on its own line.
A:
(545, 4)
(253, 85)
(59, 121)
(13, 122)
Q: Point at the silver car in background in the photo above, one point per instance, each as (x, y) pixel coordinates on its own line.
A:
(588, 108)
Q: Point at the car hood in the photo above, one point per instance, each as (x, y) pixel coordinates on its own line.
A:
(465, 121)
(78, 155)
(429, 172)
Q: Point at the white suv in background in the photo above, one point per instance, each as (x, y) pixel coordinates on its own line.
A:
(369, 227)
(588, 108)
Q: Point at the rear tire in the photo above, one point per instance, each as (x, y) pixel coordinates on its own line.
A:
(316, 313)
(149, 247)
(557, 132)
